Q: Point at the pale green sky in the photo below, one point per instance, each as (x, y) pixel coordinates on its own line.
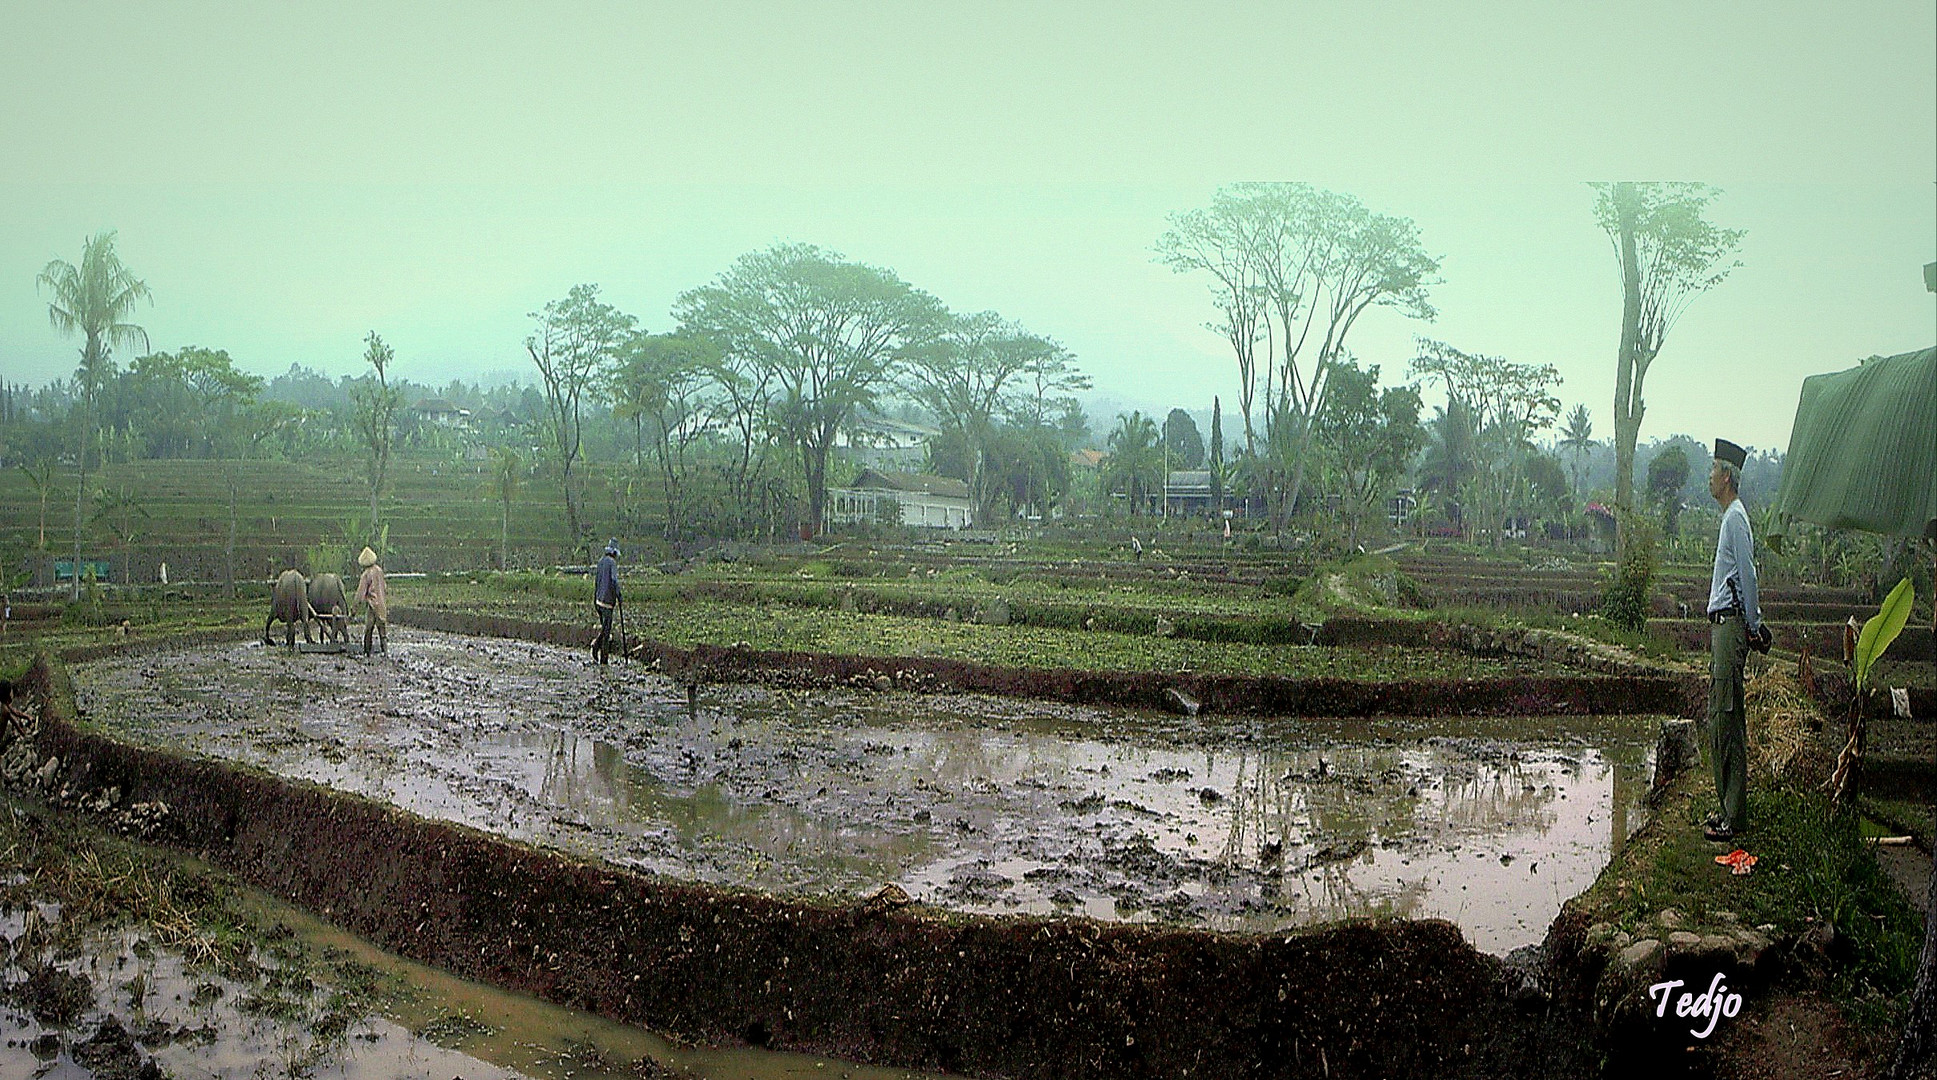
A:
(287, 178)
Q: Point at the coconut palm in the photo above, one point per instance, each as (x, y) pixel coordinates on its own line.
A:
(93, 300)
(1136, 458)
(1577, 438)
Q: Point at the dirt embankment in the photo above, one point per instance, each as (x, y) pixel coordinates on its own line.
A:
(1226, 694)
(876, 981)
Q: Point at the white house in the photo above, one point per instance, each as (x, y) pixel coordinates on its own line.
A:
(880, 442)
(917, 499)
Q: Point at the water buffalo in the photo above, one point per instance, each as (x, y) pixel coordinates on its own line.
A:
(290, 603)
(329, 607)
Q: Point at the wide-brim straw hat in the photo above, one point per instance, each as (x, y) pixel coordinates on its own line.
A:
(366, 558)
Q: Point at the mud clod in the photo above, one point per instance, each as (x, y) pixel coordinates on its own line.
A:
(111, 1054)
(54, 996)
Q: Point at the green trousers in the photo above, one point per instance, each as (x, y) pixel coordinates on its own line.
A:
(1728, 738)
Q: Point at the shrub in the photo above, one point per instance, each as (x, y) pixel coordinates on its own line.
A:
(1626, 595)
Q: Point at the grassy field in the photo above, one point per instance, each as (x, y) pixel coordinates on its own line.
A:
(778, 626)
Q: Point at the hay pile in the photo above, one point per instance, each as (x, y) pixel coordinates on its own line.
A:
(1783, 723)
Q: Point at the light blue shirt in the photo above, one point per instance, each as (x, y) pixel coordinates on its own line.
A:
(1735, 558)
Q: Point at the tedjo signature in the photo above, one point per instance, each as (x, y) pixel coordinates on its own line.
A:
(1716, 1003)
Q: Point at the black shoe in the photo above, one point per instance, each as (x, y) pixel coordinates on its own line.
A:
(1718, 834)
(1712, 821)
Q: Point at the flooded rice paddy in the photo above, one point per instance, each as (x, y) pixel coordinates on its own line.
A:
(973, 803)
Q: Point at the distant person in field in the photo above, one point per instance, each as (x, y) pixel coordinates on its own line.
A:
(374, 594)
(605, 598)
(1736, 612)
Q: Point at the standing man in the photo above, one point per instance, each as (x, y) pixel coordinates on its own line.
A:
(1736, 612)
(374, 594)
(605, 598)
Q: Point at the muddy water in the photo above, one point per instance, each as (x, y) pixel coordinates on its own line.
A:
(979, 804)
(194, 1021)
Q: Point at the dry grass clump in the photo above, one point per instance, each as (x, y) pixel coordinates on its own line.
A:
(1782, 724)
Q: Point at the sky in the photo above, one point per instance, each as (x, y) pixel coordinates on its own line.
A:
(287, 178)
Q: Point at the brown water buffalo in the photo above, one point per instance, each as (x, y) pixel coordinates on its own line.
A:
(329, 607)
(290, 603)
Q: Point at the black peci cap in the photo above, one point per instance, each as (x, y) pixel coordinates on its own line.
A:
(1731, 453)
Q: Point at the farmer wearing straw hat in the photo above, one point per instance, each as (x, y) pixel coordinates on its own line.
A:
(605, 599)
(374, 594)
(1736, 612)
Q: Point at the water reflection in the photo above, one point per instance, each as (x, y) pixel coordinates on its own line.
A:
(976, 803)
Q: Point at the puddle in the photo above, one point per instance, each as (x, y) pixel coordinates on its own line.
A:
(975, 803)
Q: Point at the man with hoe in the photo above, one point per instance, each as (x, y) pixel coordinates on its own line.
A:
(374, 594)
(1736, 612)
(605, 598)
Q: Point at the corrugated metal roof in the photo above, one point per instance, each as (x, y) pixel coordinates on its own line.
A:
(922, 483)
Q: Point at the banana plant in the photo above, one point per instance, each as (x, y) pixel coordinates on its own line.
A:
(1871, 643)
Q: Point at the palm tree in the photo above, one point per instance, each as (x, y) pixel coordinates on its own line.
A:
(1452, 458)
(1577, 437)
(94, 301)
(40, 474)
(1136, 456)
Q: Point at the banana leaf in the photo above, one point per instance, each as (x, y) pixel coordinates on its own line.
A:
(1882, 629)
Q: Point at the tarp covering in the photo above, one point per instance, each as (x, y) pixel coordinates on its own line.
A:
(1863, 452)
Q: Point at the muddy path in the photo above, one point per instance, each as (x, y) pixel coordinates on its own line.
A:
(969, 803)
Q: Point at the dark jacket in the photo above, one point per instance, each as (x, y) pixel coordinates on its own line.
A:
(605, 586)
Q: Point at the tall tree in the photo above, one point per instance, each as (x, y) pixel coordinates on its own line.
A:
(1217, 452)
(376, 402)
(1369, 437)
(1577, 438)
(1668, 254)
(832, 332)
(219, 392)
(1300, 265)
(1667, 472)
(93, 300)
(1182, 441)
(980, 370)
(1509, 402)
(506, 471)
(576, 339)
(664, 384)
(1221, 240)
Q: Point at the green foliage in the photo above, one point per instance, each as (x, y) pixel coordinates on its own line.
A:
(1882, 629)
(1667, 472)
(1368, 437)
(1136, 461)
(1182, 441)
(1626, 598)
(825, 332)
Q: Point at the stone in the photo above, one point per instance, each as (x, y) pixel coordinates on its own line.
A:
(1669, 919)
(993, 613)
(883, 683)
(1684, 941)
(1675, 751)
(1711, 944)
(1642, 954)
(48, 769)
(1179, 702)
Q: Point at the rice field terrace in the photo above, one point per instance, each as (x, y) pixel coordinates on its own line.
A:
(1002, 749)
